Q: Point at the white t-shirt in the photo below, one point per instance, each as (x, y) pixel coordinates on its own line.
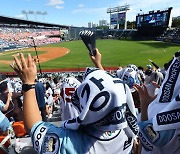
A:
(49, 99)
(68, 87)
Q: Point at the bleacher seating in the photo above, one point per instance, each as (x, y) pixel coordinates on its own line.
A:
(13, 38)
(170, 35)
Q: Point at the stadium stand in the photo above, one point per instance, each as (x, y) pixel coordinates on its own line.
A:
(170, 35)
(16, 33)
(13, 38)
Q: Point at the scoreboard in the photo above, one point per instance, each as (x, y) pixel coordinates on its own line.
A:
(154, 19)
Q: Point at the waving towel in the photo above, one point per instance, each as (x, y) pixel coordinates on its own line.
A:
(105, 103)
(169, 117)
(161, 132)
(169, 89)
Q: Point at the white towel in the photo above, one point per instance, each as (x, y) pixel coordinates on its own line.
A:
(105, 103)
(160, 133)
(169, 117)
(169, 89)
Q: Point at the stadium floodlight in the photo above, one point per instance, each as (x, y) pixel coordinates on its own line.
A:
(25, 12)
(44, 13)
(116, 9)
(38, 12)
(31, 12)
(119, 9)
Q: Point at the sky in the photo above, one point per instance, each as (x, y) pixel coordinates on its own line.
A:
(80, 12)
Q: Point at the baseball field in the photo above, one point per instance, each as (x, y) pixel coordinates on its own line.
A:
(73, 55)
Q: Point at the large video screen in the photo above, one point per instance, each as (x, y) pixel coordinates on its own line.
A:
(114, 18)
(118, 18)
(121, 18)
(155, 19)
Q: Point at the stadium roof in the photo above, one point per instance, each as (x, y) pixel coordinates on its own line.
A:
(8, 21)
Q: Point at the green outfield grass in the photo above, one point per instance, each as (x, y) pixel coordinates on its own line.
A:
(115, 53)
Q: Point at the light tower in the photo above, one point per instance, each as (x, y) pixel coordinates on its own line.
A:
(116, 11)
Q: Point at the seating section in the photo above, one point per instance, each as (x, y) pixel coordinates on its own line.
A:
(171, 35)
(13, 38)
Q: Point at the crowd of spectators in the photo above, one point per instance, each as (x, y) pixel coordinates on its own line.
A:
(52, 82)
(115, 33)
(13, 38)
(170, 35)
(142, 82)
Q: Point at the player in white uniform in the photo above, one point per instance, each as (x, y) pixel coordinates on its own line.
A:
(68, 87)
(106, 122)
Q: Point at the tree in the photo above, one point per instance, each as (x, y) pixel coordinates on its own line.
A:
(176, 22)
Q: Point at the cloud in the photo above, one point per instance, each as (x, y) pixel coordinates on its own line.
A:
(59, 7)
(93, 14)
(81, 5)
(175, 12)
(19, 16)
(147, 5)
(55, 2)
(89, 10)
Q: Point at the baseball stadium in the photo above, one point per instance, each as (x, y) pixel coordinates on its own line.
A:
(79, 109)
(59, 47)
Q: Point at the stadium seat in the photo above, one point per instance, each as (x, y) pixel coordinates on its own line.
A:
(4, 143)
(19, 129)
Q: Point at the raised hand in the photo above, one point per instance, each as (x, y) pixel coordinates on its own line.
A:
(145, 100)
(27, 71)
(97, 59)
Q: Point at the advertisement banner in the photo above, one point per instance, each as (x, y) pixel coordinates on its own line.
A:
(121, 18)
(114, 19)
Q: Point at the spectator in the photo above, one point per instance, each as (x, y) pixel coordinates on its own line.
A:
(156, 77)
(159, 122)
(97, 132)
(12, 101)
(40, 96)
(49, 98)
(68, 87)
(141, 73)
(130, 76)
(4, 122)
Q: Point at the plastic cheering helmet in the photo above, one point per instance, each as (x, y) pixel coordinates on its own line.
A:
(134, 67)
(129, 76)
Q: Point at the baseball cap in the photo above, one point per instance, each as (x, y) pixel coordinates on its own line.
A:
(149, 66)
